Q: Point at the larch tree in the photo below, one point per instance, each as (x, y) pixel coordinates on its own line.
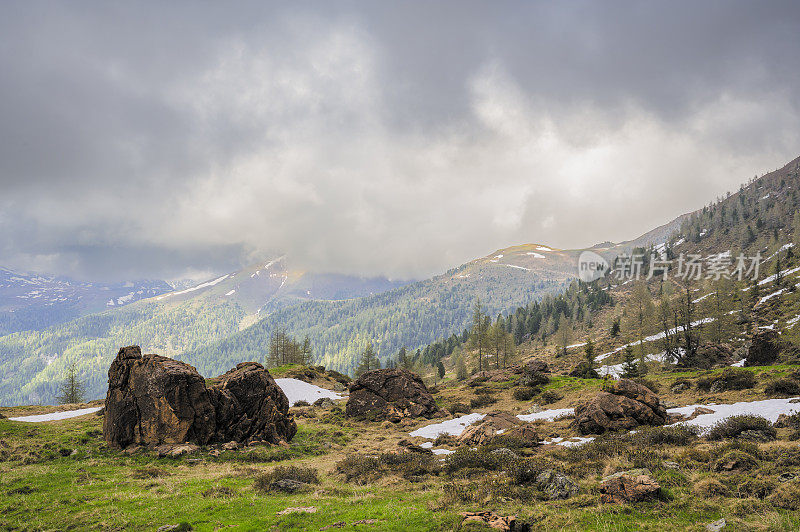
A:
(72, 389)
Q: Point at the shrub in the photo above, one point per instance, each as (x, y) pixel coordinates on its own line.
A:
(534, 378)
(359, 468)
(219, 491)
(550, 396)
(667, 435)
(783, 387)
(729, 379)
(306, 475)
(735, 461)
(459, 408)
(755, 487)
(683, 383)
(525, 393)
(709, 487)
(584, 370)
(482, 400)
(363, 469)
(733, 426)
(786, 496)
(648, 383)
(302, 403)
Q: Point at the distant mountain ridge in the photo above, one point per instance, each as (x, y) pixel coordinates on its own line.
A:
(30, 301)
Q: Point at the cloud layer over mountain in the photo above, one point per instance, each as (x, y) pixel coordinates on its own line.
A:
(150, 140)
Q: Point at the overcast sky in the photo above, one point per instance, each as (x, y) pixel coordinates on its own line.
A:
(173, 139)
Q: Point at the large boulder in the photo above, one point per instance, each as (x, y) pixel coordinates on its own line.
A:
(629, 486)
(627, 405)
(153, 400)
(250, 406)
(390, 394)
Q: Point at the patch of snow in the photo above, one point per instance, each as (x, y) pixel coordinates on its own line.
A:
(535, 255)
(774, 276)
(548, 415)
(297, 390)
(699, 299)
(198, 287)
(771, 327)
(517, 267)
(769, 409)
(791, 322)
(500, 256)
(442, 451)
(576, 345)
(427, 445)
(544, 248)
(739, 364)
(56, 416)
(652, 338)
(231, 292)
(770, 296)
(453, 427)
(679, 242)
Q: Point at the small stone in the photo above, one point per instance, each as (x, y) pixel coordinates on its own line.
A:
(671, 465)
(230, 446)
(716, 526)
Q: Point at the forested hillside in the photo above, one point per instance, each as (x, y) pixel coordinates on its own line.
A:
(411, 316)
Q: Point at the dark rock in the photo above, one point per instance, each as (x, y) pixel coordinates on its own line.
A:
(154, 400)
(537, 366)
(251, 407)
(763, 350)
(287, 485)
(391, 394)
(324, 402)
(556, 485)
(626, 406)
(411, 447)
(627, 488)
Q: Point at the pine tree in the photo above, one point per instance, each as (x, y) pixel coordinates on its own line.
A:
(615, 328)
(368, 362)
(479, 330)
(630, 368)
(72, 389)
(461, 370)
(440, 370)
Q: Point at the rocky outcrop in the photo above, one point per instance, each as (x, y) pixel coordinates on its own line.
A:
(536, 365)
(494, 521)
(629, 486)
(391, 394)
(153, 400)
(497, 424)
(625, 406)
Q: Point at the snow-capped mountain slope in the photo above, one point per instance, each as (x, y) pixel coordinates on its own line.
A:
(32, 301)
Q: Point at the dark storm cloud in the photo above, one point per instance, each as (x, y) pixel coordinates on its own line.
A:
(372, 137)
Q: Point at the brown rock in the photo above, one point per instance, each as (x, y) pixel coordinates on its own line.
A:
(536, 366)
(154, 400)
(628, 405)
(250, 406)
(392, 394)
(627, 488)
(411, 447)
(491, 519)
